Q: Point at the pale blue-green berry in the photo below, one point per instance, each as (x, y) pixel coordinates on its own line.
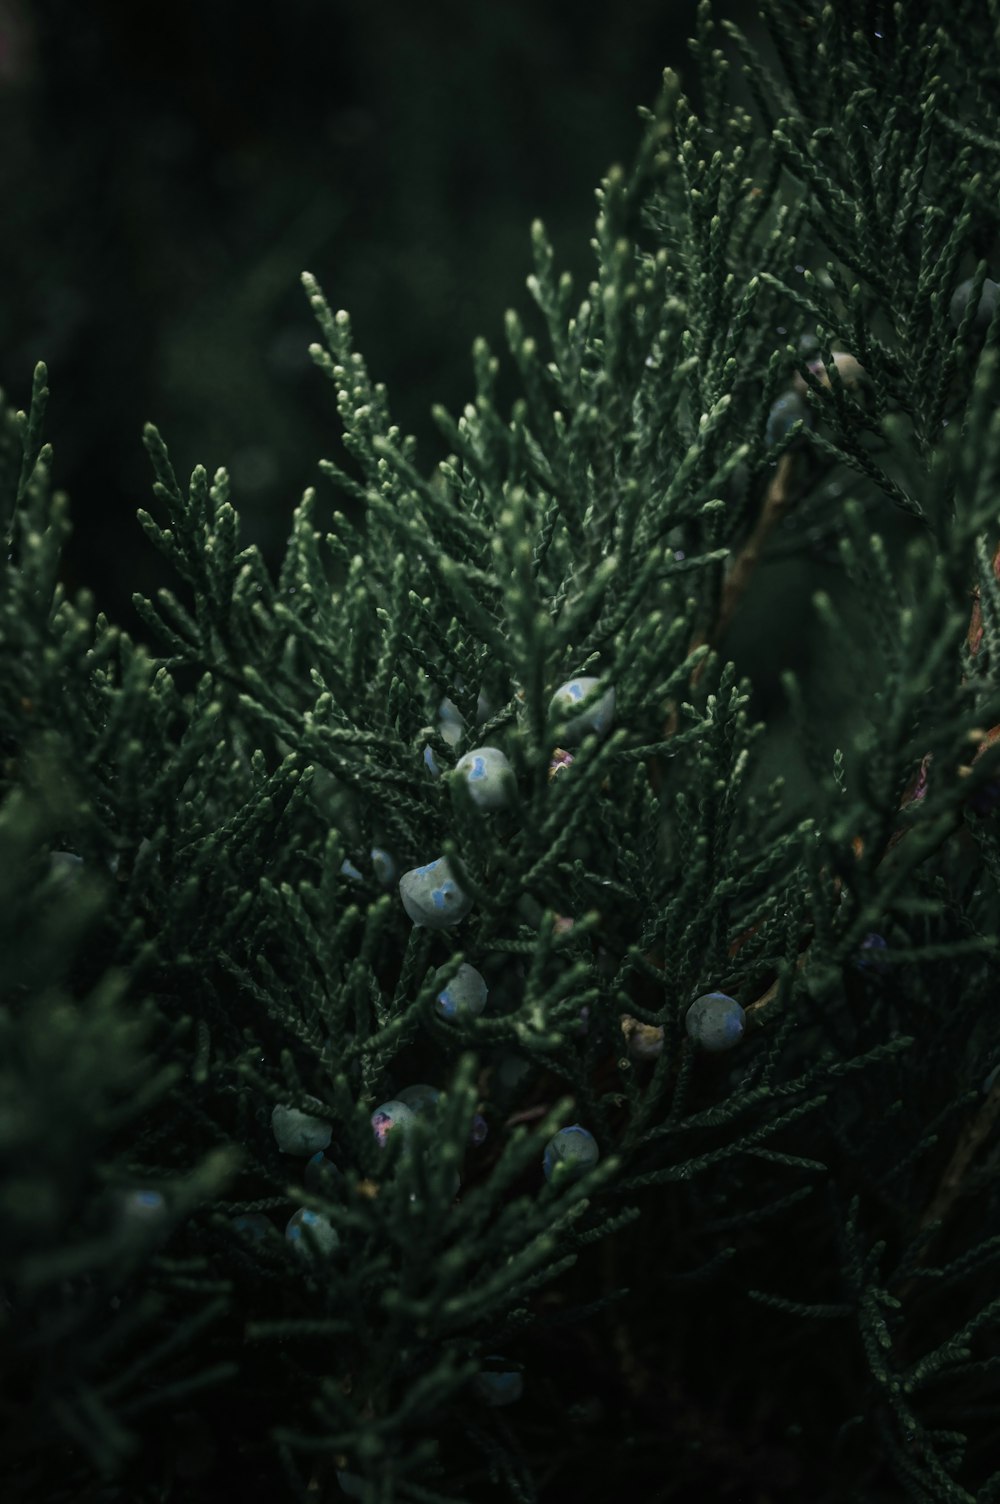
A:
(596, 720)
(397, 1118)
(321, 1176)
(65, 867)
(715, 1021)
(573, 1147)
(144, 1208)
(321, 1237)
(432, 763)
(421, 1097)
(488, 777)
(510, 1071)
(383, 867)
(789, 408)
(418, 1098)
(298, 1132)
(351, 1484)
(392, 1117)
(252, 1225)
(984, 308)
(464, 996)
(499, 1386)
(452, 724)
(432, 897)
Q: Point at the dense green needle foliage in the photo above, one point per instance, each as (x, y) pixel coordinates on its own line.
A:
(778, 1279)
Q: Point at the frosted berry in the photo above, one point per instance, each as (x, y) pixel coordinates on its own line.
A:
(392, 1117)
(715, 1021)
(788, 409)
(421, 1097)
(499, 1386)
(383, 867)
(451, 721)
(432, 763)
(298, 1132)
(597, 719)
(984, 309)
(351, 1484)
(432, 897)
(321, 1237)
(321, 1176)
(65, 866)
(573, 1147)
(464, 996)
(849, 369)
(869, 957)
(252, 1225)
(144, 1208)
(418, 1098)
(488, 777)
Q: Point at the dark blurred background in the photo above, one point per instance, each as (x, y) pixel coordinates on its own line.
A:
(169, 170)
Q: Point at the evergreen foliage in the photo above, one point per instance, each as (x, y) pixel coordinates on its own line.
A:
(778, 1273)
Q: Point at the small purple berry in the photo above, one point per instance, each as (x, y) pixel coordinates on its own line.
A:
(986, 798)
(869, 957)
(560, 761)
(499, 1386)
(480, 1128)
